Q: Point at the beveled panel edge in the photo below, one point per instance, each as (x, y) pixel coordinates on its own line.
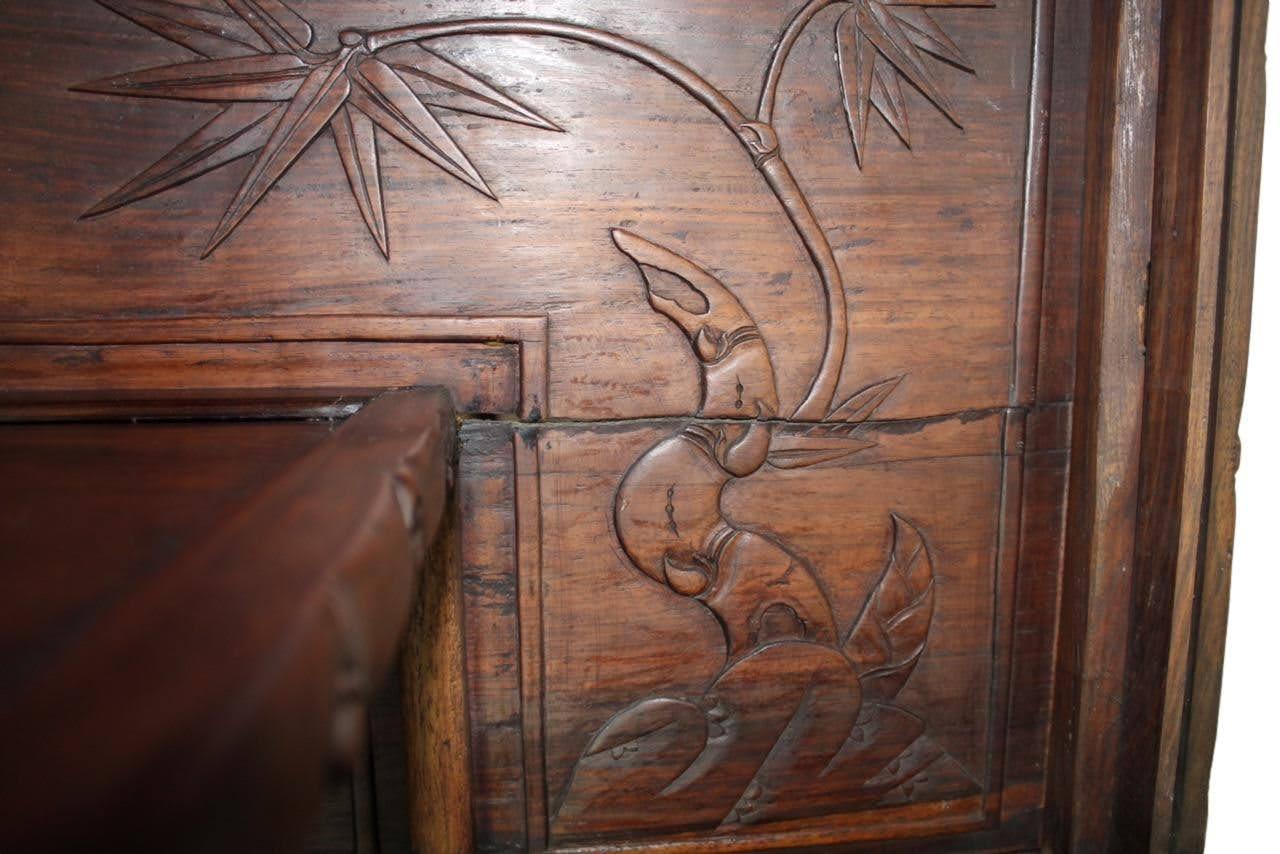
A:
(529, 334)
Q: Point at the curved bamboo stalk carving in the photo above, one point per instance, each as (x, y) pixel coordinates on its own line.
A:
(804, 706)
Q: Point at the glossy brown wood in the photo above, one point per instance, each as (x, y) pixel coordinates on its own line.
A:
(778, 333)
(183, 670)
(50, 369)
(437, 736)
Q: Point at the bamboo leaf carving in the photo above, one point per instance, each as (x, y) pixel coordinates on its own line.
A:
(863, 403)
(258, 77)
(211, 34)
(794, 452)
(879, 44)
(856, 58)
(257, 57)
(321, 95)
(381, 94)
(889, 636)
(238, 131)
(834, 438)
(278, 25)
(354, 135)
(440, 83)
(886, 97)
(923, 32)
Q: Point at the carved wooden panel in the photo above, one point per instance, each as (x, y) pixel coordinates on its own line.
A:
(768, 549)
(636, 151)
(820, 671)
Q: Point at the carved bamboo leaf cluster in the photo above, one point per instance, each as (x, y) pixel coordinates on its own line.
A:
(258, 58)
(880, 44)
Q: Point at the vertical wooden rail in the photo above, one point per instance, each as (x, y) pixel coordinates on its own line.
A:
(1181, 336)
(437, 734)
(1189, 747)
(1106, 436)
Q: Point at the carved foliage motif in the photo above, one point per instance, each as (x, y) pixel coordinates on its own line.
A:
(802, 717)
(282, 95)
(878, 46)
(802, 708)
(259, 58)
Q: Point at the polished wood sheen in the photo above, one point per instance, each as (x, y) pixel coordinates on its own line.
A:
(845, 387)
(197, 614)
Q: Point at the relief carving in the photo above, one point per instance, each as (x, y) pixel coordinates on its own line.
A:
(804, 707)
(283, 95)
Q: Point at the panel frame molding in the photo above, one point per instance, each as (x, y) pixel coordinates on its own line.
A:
(528, 334)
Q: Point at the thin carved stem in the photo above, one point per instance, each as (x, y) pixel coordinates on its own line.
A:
(677, 72)
(782, 50)
(755, 136)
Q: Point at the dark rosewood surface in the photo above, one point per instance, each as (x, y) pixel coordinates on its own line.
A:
(760, 319)
(196, 614)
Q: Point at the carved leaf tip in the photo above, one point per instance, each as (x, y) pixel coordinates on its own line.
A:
(863, 403)
(889, 636)
(356, 141)
(439, 82)
(924, 32)
(204, 31)
(879, 43)
(278, 25)
(790, 451)
(238, 131)
(320, 97)
(855, 60)
(259, 77)
(383, 95)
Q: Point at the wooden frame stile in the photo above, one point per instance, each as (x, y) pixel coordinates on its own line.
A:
(1200, 608)
(1170, 223)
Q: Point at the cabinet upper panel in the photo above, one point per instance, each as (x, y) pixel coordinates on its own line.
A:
(841, 183)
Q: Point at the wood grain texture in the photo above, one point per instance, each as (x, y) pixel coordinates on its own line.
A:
(545, 250)
(590, 690)
(251, 651)
(1106, 441)
(1208, 613)
(1195, 102)
(437, 731)
(798, 351)
(723, 292)
(491, 365)
(1064, 199)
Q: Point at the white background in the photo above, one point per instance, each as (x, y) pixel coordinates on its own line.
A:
(1242, 792)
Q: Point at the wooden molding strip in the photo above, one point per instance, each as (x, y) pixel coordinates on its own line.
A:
(1097, 582)
(529, 334)
(1187, 750)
